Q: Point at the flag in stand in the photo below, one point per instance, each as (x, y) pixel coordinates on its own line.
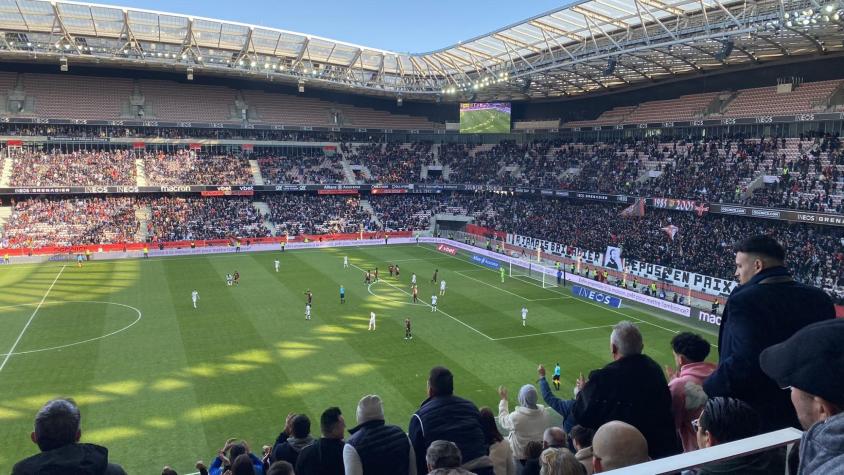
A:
(670, 230)
(636, 209)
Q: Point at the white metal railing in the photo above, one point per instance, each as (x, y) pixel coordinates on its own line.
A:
(730, 450)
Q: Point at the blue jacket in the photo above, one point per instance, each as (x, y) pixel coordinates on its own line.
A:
(448, 418)
(562, 406)
(765, 311)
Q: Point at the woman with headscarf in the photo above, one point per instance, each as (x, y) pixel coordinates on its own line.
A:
(526, 423)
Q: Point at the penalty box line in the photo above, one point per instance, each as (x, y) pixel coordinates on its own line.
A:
(430, 306)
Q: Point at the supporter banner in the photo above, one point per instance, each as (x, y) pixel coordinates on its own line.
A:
(596, 296)
(79, 139)
(698, 282)
(388, 191)
(612, 258)
(779, 214)
(227, 193)
(671, 203)
(486, 261)
(447, 249)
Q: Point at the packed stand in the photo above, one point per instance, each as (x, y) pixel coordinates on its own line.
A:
(38, 222)
(392, 162)
(79, 168)
(808, 178)
(302, 214)
(300, 169)
(179, 219)
(405, 213)
(190, 168)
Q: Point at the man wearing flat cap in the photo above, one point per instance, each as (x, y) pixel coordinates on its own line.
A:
(767, 308)
(811, 363)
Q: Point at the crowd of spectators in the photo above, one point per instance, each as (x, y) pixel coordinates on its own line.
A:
(192, 168)
(300, 169)
(174, 218)
(391, 162)
(80, 168)
(621, 415)
(38, 222)
(302, 214)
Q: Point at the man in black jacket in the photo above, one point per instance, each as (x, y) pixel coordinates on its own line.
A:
(376, 448)
(325, 456)
(57, 432)
(444, 416)
(631, 389)
(295, 437)
(767, 308)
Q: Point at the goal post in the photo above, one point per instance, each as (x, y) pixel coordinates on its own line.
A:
(532, 270)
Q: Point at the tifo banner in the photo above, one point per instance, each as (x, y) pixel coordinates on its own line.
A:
(671, 203)
(699, 282)
(447, 249)
(596, 296)
(612, 258)
(485, 261)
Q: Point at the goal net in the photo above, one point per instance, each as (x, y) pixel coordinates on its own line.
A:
(535, 271)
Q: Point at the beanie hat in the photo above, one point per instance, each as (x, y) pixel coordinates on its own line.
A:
(370, 409)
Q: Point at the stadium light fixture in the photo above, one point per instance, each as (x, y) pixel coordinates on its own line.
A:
(301, 86)
(190, 74)
(399, 101)
(63, 64)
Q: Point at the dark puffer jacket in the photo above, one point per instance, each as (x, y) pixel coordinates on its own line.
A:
(73, 459)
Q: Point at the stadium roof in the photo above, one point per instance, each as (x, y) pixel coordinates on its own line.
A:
(585, 46)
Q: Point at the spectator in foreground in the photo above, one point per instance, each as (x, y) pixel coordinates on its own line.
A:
(559, 461)
(243, 465)
(57, 432)
(281, 468)
(325, 456)
(374, 447)
(443, 458)
(617, 445)
(631, 389)
(687, 396)
(230, 452)
(444, 416)
(767, 308)
(726, 420)
(531, 466)
(581, 438)
(812, 363)
(554, 438)
(500, 451)
(295, 437)
(527, 422)
(562, 406)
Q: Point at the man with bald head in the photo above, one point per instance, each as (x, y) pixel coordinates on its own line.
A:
(617, 445)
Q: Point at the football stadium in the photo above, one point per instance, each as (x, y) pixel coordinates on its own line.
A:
(607, 237)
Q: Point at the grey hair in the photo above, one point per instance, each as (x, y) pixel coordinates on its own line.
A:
(627, 339)
(56, 424)
(443, 454)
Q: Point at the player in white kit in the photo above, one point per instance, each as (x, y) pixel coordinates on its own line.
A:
(277, 263)
(442, 287)
(345, 262)
(413, 279)
(195, 297)
(524, 316)
(433, 303)
(307, 311)
(372, 321)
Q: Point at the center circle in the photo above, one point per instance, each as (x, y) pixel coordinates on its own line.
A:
(81, 342)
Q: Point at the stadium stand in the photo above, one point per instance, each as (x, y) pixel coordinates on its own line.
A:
(86, 167)
(300, 214)
(300, 169)
(188, 167)
(37, 222)
(806, 97)
(177, 218)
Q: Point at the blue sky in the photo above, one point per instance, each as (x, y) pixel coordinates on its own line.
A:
(404, 26)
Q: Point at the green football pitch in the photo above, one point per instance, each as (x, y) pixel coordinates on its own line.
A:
(160, 382)
(484, 121)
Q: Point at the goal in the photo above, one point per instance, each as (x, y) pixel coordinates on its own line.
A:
(535, 271)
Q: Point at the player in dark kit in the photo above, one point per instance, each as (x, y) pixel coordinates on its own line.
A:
(434, 279)
(367, 279)
(309, 295)
(415, 294)
(407, 333)
(376, 274)
(236, 278)
(397, 270)
(390, 267)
